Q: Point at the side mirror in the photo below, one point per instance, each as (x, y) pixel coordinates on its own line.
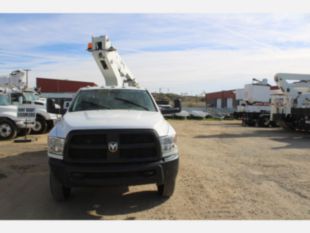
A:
(52, 107)
(178, 104)
(66, 104)
(62, 111)
(175, 109)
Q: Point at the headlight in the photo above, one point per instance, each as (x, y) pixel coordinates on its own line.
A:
(168, 145)
(56, 145)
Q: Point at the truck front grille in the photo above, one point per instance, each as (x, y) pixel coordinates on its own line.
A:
(92, 146)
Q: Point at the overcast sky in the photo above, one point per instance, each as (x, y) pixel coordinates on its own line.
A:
(188, 53)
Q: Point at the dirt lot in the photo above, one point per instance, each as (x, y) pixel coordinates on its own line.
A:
(226, 172)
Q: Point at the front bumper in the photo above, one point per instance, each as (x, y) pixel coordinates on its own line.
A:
(53, 117)
(74, 175)
(24, 125)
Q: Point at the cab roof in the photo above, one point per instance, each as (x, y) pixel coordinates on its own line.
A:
(112, 88)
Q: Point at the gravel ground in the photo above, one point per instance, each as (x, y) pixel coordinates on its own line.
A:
(226, 172)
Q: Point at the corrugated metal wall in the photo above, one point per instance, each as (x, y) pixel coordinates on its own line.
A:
(57, 85)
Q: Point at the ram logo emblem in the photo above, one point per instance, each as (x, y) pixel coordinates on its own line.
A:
(113, 147)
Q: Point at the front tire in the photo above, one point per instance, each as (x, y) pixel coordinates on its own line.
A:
(58, 190)
(40, 126)
(167, 189)
(8, 130)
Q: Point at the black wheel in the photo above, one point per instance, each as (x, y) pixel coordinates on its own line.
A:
(58, 190)
(243, 123)
(271, 124)
(257, 123)
(166, 190)
(8, 130)
(40, 126)
(50, 125)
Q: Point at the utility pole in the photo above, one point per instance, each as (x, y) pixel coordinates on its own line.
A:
(27, 70)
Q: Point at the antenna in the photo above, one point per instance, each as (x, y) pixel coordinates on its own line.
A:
(27, 70)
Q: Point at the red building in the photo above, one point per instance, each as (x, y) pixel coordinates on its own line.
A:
(62, 91)
(221, 99)
(47, 85)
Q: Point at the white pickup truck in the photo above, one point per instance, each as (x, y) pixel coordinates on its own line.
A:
(112, 135)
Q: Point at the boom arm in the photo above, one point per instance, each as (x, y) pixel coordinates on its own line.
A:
(14, 80)
(112, 67)
(296, 88)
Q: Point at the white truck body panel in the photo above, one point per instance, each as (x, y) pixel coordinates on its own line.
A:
(239, 94)
(257, 93)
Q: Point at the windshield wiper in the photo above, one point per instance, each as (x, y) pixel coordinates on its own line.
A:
(132, 103)
(96, 105)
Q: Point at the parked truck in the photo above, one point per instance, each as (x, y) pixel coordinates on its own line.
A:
(19, 94)
(254, 104)
(11, 124)
(291, 109)
(112, 135)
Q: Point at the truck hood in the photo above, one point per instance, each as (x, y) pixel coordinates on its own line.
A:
(110, 119)
(9, 111)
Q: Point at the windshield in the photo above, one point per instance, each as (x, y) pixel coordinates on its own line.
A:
(30, 97)
(4, 101)
(113, 99)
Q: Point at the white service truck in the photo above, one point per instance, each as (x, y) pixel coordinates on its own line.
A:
(44, 120)
(254, 104)
(11, 124)
(291, 109)
(112, 135)
(19, 94)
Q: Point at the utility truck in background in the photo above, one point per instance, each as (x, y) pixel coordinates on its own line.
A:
(20, 94)
(165, 106)
(254, 104)
(112, 135)
(291, 110)
(11, 124)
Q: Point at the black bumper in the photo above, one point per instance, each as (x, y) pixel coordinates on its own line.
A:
(74, 175)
